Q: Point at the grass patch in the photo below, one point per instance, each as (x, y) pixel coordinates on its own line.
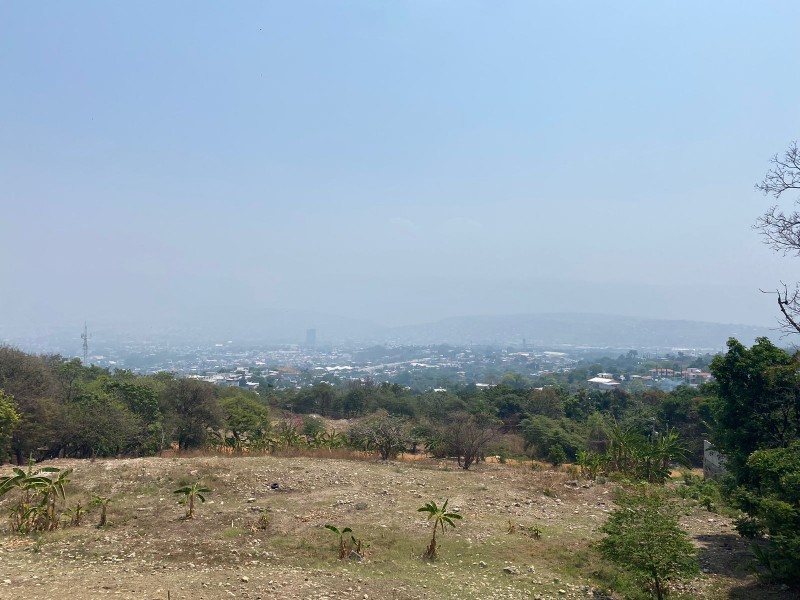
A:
(232, 533)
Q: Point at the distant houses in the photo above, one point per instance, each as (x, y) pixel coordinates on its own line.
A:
(689, 375)
(661, 378)
(236, 379)
(604, 381)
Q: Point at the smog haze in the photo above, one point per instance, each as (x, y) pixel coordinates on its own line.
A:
(390, 163)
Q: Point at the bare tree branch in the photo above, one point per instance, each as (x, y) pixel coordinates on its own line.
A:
(789, 305)
(781, 231)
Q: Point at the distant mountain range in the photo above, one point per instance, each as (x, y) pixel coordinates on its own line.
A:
(577, 330)
(535, 330)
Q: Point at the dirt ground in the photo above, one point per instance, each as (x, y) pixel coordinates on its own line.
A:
(148, 551)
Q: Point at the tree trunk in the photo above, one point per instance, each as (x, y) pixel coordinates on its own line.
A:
(431, 551)
(659, 591)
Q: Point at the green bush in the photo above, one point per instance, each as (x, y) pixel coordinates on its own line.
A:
(643, 538)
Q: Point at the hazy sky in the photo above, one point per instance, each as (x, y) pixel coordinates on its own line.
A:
(393, 161)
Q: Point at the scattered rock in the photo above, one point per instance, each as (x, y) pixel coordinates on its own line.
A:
(511, 570)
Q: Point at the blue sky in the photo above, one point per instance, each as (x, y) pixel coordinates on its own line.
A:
(393, 161)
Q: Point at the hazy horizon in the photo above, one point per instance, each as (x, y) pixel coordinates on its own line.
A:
(391, 163)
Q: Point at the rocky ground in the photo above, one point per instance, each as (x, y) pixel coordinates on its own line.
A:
(261, 534)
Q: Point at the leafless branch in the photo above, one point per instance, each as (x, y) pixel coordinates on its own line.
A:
(784, 174)
(789, 305)
(781, 230)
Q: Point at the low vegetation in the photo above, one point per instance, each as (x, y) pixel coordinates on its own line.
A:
(644, 538)
(189, 493)
(441, 520)
(53, 408)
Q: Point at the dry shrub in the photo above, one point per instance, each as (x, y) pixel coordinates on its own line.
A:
(551, 481)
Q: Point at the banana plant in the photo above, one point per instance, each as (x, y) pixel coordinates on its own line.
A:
(102, 502)
(35, 510)
(189, 493)
(441, 519)
(53, 489)
(340, 533)
(74, 515)
(332, 439)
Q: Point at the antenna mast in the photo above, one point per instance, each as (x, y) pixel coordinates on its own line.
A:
(85, 338)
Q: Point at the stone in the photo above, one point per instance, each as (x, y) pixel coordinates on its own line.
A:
(511, 570)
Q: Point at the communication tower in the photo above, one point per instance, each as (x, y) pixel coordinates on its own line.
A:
(85, 338)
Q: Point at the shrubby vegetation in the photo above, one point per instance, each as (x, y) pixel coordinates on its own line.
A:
(643, 537)
(757, 412)
(51, 407)
(56, 407)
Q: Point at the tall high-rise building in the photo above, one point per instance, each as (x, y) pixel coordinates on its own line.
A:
(311, 338)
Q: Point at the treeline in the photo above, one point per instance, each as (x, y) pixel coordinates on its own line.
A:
(548, 420)
(757, 428)
(66, 409)
(51, 407)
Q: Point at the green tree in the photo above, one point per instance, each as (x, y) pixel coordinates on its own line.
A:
(383, 433)
(547, 401)
(245, 417)
(771, 499)
(96, 424)
(643, 537)
(140, 397)
(757, 428)
(556, 455)
(541, 433)
(441, 519)
(27, 379)
(191, 408)
(757, 404)
(9, 417)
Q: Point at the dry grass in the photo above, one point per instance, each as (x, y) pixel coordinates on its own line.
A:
(275, 538)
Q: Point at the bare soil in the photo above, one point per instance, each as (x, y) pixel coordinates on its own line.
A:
(149, 551)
